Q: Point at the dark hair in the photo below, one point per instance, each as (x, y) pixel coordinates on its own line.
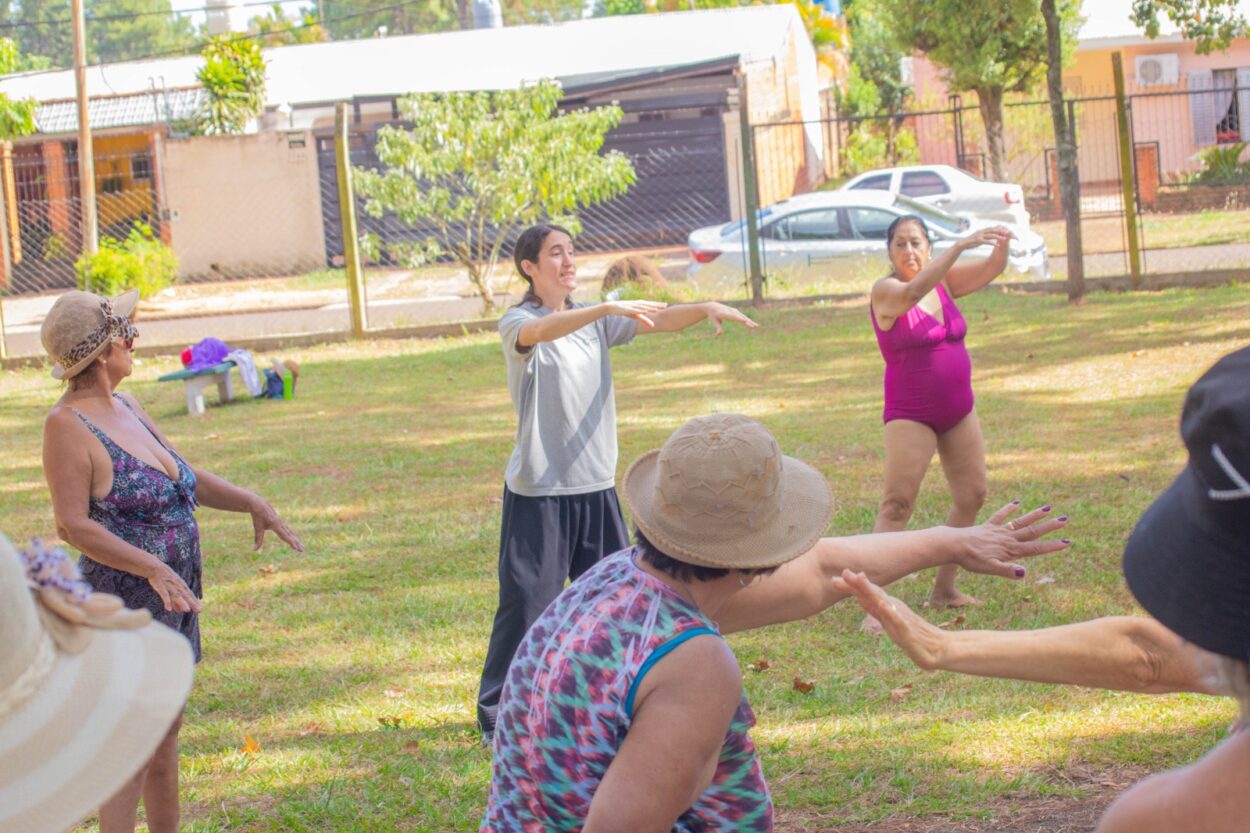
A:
(528, 246)
(684, 570)
(900, 221)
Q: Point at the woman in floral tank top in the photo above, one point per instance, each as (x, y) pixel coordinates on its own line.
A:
(624, 708)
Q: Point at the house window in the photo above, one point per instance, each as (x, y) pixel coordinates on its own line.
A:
(1228, 119)
(140, 166)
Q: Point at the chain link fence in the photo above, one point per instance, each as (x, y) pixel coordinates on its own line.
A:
(254, 220)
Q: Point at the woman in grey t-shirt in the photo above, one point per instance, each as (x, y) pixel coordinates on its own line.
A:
(560, 509)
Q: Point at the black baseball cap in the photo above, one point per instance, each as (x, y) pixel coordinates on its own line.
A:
(1188, 559)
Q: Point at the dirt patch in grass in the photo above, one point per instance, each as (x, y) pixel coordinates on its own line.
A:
(1004, 815)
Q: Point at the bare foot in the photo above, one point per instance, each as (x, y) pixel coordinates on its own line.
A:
(941, 599)
(871, 626)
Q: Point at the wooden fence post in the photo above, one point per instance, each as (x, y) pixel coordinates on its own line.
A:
(347, 216)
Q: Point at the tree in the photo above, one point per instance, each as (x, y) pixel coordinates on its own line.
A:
(233, 77)
(1211, 23)
(112, 36)
(353, 19)
(874, 84)
(476, 166)
(17, 117)
(1065, 140)
(46, 40)
(276, 29)
(988, 48)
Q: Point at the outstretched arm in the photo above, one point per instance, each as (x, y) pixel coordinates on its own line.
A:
(805, 586)
(684, 315)
(559, 324)
(892, 298)
(1125, 653)
(966, 278)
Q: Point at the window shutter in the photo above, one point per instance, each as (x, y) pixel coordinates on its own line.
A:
(1202, 107)
(1243, 102)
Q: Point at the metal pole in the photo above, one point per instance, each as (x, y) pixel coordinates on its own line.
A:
(347, 216)
(86, 158)
(1127, 180)
(756, 273)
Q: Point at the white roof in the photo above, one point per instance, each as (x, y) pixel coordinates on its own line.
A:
(1108, 23)
(478, 59)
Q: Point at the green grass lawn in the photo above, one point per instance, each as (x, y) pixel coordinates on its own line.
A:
(354, 666)
(1161, 231)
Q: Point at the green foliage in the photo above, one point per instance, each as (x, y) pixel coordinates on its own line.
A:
(139, 262)
(987, 48)
(875, 57)
(352, 19)
(276, 29)
(136, 37)
(621, 7)
(1211, 23)
(17, 118)
(233, 76)
(478, 166)
(1222, 165)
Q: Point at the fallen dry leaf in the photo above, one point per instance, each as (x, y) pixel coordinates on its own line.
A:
(393, 693)
(412, 746)
(310, 729)
(267, 571)
(954, 623)
(900, 693)
(804, 686)
(250, 746)
(1045, 580)
(762, 665)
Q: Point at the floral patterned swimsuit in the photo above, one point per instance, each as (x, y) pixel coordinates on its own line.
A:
(149, 510)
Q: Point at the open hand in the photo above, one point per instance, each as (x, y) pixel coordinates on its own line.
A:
(640, 311)
(992, 236)
(718, 313)
(922, 641)
(265, 518)
(994, 546)
(174, 592)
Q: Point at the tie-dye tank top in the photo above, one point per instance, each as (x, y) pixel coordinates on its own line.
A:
(568, 700)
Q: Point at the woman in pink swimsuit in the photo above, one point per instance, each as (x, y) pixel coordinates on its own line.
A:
(928, 379)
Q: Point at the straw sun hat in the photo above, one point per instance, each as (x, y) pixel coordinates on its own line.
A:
(721, 494)
(81, 325)
(87, 691)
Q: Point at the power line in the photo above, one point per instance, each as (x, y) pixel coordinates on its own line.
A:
(21, 24)
(195, 47)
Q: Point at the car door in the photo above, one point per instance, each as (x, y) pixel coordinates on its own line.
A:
(931, 188)
(867, 228)
(804, 244)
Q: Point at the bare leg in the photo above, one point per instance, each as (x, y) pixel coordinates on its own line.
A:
(117, 815)
(962, 451)
(160, 789)
(909, 448)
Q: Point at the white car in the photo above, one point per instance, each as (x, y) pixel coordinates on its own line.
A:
(950, 189)
(813, 237)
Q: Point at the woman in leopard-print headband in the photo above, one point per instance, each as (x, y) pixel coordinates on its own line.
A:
(125, 498)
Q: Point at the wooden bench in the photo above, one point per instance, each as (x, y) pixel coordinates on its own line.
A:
(197, 380)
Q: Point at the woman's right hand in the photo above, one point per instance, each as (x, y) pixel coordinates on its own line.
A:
(922, 642)
(638, 310)
(172, 589)
(992, 236)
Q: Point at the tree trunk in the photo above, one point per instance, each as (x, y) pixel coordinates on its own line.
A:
(1065, 140)
(990, 101)
(464, 8)
(890, 132)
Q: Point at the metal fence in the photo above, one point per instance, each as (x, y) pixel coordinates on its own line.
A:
(254, 220)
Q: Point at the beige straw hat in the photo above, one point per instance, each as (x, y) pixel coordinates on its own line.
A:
(721, 494)
(81, 324)
(87, 691)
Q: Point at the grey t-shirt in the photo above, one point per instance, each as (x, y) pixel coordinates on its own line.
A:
(566, 410)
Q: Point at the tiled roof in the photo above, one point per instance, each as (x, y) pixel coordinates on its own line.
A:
(154, 107)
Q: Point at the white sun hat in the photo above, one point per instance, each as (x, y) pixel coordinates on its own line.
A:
(87, 691)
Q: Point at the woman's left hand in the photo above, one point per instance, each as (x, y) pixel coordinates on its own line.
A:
(718, 313)
(993, 547)
(265, 518)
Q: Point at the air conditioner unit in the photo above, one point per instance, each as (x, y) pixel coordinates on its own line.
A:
(1153, 70)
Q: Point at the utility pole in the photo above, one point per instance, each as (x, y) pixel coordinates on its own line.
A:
(86, 158)
(1064, 122)
(1128, 181)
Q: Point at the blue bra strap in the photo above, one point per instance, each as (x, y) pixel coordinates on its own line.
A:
(657, 655)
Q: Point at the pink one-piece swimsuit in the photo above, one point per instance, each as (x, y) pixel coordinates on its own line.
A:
(928, 374)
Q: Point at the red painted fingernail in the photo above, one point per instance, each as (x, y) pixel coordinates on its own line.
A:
(1065, 540)
(1019, 572)
(1046, 508)
(1063, 517)
(1015, 503)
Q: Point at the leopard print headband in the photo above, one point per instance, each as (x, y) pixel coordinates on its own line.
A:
(114, 327)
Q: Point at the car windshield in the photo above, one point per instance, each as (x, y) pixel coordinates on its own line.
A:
(931, 215)
(736, 226)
